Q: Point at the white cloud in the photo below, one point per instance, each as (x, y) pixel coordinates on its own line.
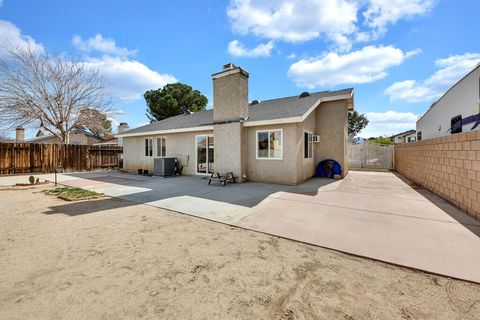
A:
(100, 44)
(388, 123)
(369, 64)
(333, 20)
(11, 37)
(128, 79)
(291, 56)
(380, 13)
(237, 49)
(294, 20)
(450, 70)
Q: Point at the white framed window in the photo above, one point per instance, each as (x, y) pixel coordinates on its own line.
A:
(148, 147)
(161, 147)
(270, 144)
(308, 145)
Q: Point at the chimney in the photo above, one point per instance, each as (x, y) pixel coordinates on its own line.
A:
(19, 134)
(230, 94)
(122, 127)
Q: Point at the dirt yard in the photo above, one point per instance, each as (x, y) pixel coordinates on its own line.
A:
(111, 259)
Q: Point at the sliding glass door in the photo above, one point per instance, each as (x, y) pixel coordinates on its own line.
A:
(205, 154)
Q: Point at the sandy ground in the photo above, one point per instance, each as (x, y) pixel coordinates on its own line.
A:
(112, 259)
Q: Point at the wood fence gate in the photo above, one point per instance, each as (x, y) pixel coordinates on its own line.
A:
(370, 155)
(33, 157)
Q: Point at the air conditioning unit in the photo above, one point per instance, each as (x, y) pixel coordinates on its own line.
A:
(164, 166)
(316, 138)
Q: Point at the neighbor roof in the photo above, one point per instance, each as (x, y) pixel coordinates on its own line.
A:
(405, 133)
(50, 136)
(274, 109)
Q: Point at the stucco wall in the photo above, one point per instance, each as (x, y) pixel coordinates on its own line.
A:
(448, 166)
(179, 145)
(462, 99)
(306, 167)
(235, 149)
(331, 123)
(228, 149)
(276, 171)
(230, 97)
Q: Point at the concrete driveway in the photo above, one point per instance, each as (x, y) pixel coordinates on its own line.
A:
(378, 215)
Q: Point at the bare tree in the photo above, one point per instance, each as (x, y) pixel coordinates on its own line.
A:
(4, 137)
(54, 93)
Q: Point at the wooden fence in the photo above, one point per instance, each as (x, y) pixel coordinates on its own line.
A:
(18, 158)
(370, 155)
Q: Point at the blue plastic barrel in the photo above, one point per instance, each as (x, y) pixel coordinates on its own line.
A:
(328, 168)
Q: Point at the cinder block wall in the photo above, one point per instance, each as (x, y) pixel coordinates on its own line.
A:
(448, 166)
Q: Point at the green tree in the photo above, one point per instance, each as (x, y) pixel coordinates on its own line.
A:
(169, 100)
(356, 123)
(96, 122)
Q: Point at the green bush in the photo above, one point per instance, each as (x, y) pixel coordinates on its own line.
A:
(37, 180)
(31, 179)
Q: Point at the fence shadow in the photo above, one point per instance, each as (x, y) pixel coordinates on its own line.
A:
(461, 217)
(76, 208)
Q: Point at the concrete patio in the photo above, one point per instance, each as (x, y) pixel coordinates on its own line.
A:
(378, 215)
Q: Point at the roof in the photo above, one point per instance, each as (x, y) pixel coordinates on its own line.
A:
(405, 133)
(288, 109)
(50, 136)
(113, 141)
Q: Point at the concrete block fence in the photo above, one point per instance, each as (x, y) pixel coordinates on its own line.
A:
(448, 166)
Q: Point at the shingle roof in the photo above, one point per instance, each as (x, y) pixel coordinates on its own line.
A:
(265, 110)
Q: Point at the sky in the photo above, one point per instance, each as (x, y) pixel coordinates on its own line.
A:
(398, 55)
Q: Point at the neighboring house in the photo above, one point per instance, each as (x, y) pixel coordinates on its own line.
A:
(405, 137)
(268, 141)
(456, 111)
(76, 136)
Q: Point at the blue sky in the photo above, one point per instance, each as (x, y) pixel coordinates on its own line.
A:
(398, 55)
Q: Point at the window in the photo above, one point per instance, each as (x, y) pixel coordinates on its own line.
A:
(161, 147)
(456, 124)
(308, 145)
(411, 139)
(148, 147)
(419, 135)
(270, 144)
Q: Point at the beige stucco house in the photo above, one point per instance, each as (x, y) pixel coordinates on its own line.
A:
(278, 141)
(405, 137)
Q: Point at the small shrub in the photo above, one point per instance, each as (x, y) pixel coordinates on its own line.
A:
(31, 179)
(37, 180)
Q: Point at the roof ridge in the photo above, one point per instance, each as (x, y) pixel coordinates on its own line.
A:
(311, 94)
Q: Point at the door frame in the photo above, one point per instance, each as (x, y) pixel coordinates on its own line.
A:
(196, 153)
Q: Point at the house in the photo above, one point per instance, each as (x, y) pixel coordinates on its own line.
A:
(458, 110)
(76, 136)
(267, 141)
(405, 137)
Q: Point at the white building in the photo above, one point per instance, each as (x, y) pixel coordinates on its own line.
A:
(458, 110)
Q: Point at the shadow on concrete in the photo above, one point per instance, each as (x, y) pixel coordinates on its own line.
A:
(145, 189)
(455, 213)
(89, 206)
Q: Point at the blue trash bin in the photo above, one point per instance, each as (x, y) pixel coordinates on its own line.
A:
(328, 168)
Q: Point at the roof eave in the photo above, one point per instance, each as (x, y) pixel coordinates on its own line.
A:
(166, 131)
